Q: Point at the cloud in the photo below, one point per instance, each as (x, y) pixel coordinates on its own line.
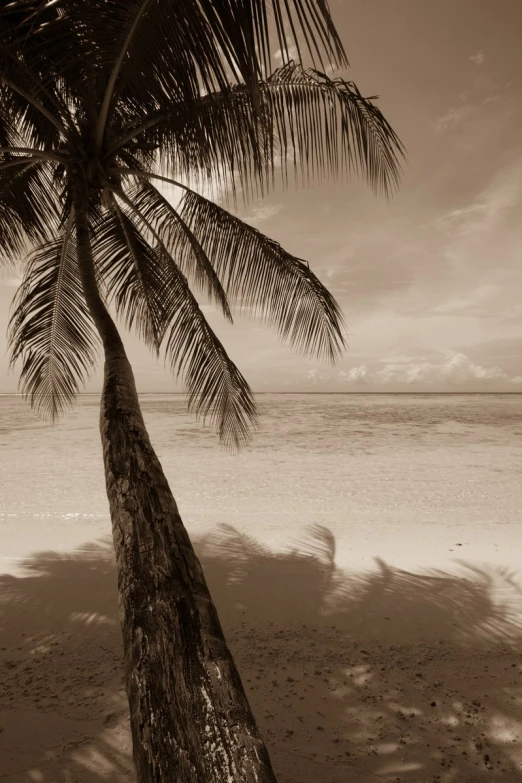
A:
(460, 368)
(283, 57)
(477, 58)
(453, 117)
(262, 212)
(355, 375)
(462, 263)
(403, 373)
(471, 259)
(453, 372)
(462, 220)
(457, 369)
(489, 208)
(483, 113)
(476, 301)
(314, 376)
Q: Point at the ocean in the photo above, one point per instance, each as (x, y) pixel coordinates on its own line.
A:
(408, 477)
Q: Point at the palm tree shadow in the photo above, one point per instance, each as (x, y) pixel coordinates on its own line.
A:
(341, 668)
(64, 710)
(385, 674)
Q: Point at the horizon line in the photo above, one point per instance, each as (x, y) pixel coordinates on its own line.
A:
(317, 393)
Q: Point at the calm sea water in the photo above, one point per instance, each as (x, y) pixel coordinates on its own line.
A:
(428, 468)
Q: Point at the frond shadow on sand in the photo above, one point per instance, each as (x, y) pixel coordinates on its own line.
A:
(353, 676)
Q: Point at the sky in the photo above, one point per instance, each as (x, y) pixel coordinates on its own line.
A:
(430, 282)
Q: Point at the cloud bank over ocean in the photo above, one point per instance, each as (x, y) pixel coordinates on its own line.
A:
(456, 372)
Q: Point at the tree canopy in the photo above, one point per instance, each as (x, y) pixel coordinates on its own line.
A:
(115, 97)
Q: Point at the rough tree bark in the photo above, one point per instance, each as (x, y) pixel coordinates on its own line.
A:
(190, 718)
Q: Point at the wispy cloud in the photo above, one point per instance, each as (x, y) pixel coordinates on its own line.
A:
(262, 212)
(283, 57)
(490, 206)
(472, 256)
(482, 111)
(477, 58)
(453, 117)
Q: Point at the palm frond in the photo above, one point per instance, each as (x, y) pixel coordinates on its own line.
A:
(41, 43)
(260, 277)
(301, 119)
(150, 49)
(51, 330)
(181, 243)
(29, 206)
(12, 227)
(266, 281)
(216, 388)
(18, 116)
(214, 138)
(28, 97)
(327, 126)
(128, 270)
(249, 32)
(136, 10)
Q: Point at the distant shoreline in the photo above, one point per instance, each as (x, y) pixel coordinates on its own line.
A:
(318, 394)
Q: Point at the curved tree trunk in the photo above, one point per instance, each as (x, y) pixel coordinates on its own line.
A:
(190, 718)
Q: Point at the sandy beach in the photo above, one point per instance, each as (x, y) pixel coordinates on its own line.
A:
(354, 675)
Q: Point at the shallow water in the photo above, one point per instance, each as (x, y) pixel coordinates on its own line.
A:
(428, 469)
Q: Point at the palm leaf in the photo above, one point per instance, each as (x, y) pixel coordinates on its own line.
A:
(303, 118)
(28, 97)
(216, 388)
(29, 207)
(47, 47)
(214, 138)
(51, 330)
(130, 275)
(265, 280)
(329, 127)
(150, 49)
(181, 243)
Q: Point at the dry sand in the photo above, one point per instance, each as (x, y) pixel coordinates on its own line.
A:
(385, 674)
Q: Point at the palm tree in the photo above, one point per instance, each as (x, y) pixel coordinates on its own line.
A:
(100, 103)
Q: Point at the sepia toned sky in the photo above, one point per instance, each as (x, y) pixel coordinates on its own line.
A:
(431, 282)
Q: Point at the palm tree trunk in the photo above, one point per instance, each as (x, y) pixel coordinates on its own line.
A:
(190, 718)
